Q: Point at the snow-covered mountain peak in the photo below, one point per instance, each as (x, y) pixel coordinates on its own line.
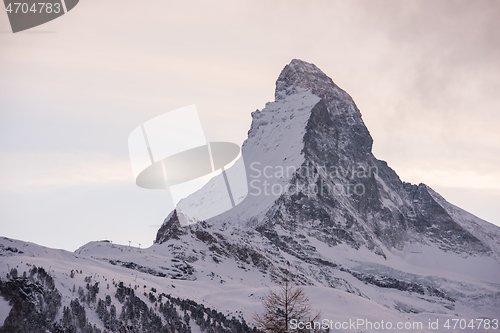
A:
(298, 75)
(310, 166)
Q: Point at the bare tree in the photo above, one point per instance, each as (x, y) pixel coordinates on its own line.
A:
(280, 306)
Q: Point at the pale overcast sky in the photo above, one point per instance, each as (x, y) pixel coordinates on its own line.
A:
(425, 75)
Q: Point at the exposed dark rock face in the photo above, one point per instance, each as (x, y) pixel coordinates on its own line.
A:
(171, 229)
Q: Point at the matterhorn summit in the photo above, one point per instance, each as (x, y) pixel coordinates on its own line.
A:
(310, 166)
(323, 209)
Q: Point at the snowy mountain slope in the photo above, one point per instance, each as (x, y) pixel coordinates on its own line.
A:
(81, 285)
(238, 295)
(278, 132)
(486, 232)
